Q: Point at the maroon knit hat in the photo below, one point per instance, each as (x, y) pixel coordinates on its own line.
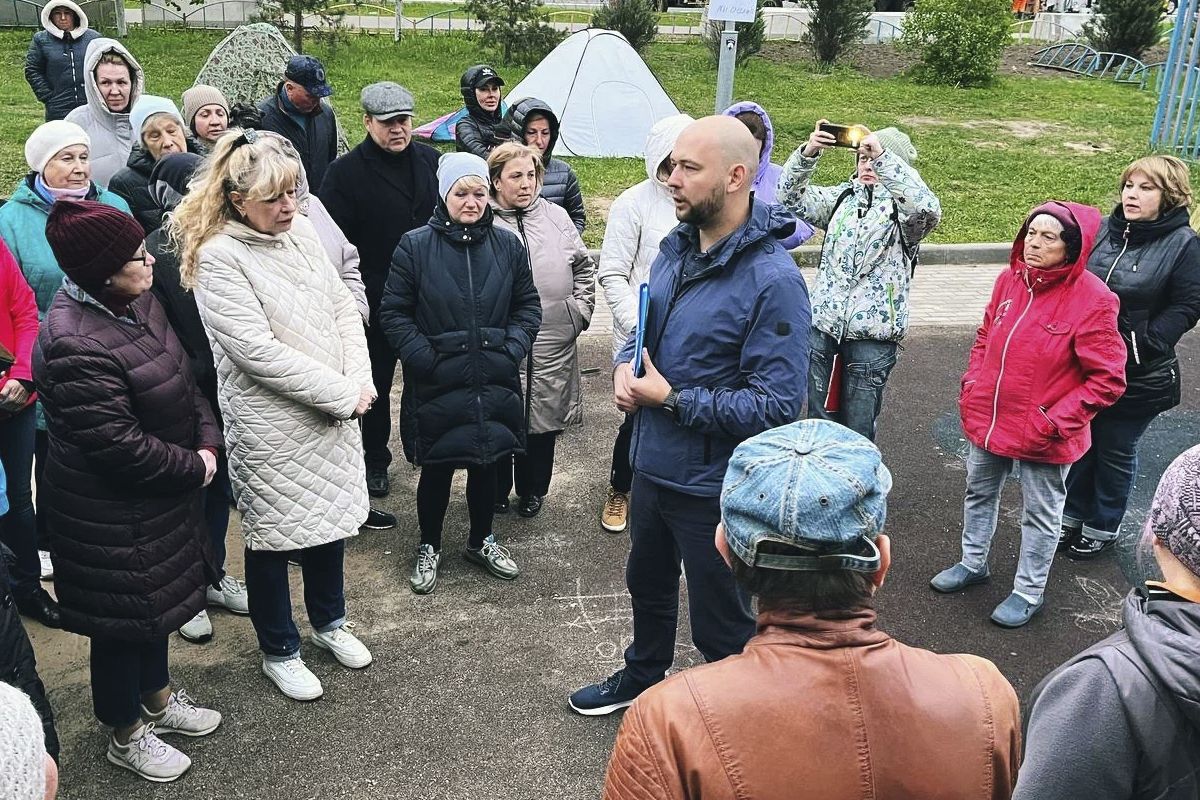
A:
(92, 241)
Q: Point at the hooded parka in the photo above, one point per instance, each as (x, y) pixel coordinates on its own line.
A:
(1047, 357)
(479, 131)
(559, 184)
(54, 65)
(461, 311)
(565, 276)
(111, 133)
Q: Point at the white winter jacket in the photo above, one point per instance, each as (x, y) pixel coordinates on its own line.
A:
(291, 360)
(637, 222)
(111, 134)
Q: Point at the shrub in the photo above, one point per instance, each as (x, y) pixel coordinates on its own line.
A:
(836, 28)
(959, 42)
(636, 20)
(750, 37)
(1124, 26)
(517, 28)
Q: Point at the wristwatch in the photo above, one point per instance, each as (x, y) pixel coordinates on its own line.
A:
(671, 403)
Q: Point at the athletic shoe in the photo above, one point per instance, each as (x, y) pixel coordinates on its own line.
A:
(344, 645)
(148, 756)
(378, 484)
(1085, 548)
(611, 694)
(293, 678)
(957, 578)
(615, 516)
(1067, 537)
(425, 570)
(182, 716)
(198, 629)
(379, 520)
(47, 565)
(231, 596)
(1015, 611)
(494, 558)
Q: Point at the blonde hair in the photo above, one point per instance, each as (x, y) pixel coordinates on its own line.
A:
(115, 58)
(258, 166)
(471, 182)
(511, 151)
(1168, 174)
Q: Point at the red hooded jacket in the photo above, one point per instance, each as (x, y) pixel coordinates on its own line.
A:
(1047, 357)
(18, 320)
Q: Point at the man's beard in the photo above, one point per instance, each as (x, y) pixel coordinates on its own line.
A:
(704, 211)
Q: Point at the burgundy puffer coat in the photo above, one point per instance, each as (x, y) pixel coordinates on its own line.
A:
(123, 477)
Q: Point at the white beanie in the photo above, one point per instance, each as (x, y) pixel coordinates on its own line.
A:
(22, 747)
(147, 106)
(49, 138)
(453, 167)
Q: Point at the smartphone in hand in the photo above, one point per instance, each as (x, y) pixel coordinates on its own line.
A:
(845, 135)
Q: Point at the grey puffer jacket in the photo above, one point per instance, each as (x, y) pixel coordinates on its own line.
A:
(559, 185)
(54, 64)
(111, 133)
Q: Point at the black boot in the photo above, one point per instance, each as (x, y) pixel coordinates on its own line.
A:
(42, 607)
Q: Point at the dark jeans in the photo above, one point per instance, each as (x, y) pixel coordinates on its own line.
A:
(665, 528)
(121, 673)
(532, 469)
(18, 530)
(41, 449)
(377, 422)
(271, 598)
(1099, 483)
(433, 496)
(621, 475)
(217, 498)
(866, 364)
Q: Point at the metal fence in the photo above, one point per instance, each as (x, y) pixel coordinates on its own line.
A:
(106, 16)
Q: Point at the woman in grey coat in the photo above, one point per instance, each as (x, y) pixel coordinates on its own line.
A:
(534, 123)
(54, 64)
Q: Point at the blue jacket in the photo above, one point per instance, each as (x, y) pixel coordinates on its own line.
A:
(54, 65)
(730, 330)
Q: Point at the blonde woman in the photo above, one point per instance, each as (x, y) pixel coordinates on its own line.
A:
(292, 373)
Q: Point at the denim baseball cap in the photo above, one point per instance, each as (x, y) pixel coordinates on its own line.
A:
(309, 73)
(815, 486)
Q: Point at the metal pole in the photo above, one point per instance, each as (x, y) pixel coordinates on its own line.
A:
(725, 67)
(399, 21)
(122, 27)
(1162, 114)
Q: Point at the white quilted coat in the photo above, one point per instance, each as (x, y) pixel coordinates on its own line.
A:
(291, 359)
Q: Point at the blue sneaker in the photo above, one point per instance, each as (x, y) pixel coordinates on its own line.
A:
(611, 694)
(1015, 611)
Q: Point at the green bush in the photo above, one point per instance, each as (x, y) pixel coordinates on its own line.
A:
(959, 42)
(516, 28)
(836, 27)
(750, 37)
(636, 20)
(1124, 26)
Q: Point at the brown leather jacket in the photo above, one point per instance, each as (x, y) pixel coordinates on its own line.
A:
(830, 709)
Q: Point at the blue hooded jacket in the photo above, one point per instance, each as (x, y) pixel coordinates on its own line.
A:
(729, 329)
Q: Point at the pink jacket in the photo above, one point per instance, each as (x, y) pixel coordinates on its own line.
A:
(19, 323)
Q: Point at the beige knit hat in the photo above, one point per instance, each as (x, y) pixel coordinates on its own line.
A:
(197, 98)
(22, 747)
(896, 142)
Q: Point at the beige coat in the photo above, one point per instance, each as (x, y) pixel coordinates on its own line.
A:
(565, 276)
(291, 360)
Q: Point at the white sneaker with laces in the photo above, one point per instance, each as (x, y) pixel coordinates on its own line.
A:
(182, 716)
(293, 678)
(344, 645)
(198, 629)
(47, 565)
(231, 596)
(148, 756)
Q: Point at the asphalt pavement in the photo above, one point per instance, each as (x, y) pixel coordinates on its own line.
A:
(467, 695)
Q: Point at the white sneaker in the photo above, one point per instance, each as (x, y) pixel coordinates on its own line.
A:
(198, 629)
(181, 716)
(293, 678)
(148, 756)
(344, 645)
(231, 596)
(47, 565)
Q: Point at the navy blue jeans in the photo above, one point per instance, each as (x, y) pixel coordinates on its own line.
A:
(866, 365)
(217, 498)
(666, 528)
(121, 673)
(18, 529)
(271, 598)
(1099, 483)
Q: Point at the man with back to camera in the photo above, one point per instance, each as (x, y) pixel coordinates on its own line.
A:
(725, 358)
(820, 698)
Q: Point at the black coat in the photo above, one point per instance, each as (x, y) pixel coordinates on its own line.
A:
(18, 667)
(376, 197)
(461, 312)
(122, 482)
(480, 131)
(132, 184)
(1154, 268)
(559, 185)
(316, 143)
(54, 70)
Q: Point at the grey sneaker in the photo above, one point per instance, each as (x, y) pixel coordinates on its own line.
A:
(231, 596)
(494, 558)
(957, 578)
(425, 571)
(148, 756)
(198, 629)
(182, 716)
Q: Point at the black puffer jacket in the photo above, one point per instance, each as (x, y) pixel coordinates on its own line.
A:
(54, 63)
(461, 312)
(1154, 268)
(316, 143)
(480, 131)
(18, 667)
(132, 184)
(559, 186)
(123, 478)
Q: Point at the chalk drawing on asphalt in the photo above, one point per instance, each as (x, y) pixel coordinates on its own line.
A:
(1102, 610)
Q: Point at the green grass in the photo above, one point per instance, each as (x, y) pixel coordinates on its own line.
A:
(986, 175)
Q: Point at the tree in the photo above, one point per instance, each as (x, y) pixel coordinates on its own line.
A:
(517, 28)
(836, 27)
(1124, 26)
(289, 15)
(750, 37)
(959, 42)
(636, 20)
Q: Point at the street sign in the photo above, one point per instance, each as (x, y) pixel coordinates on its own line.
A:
(732, 10)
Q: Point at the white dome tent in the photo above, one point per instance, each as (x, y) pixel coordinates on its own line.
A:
(605, 96)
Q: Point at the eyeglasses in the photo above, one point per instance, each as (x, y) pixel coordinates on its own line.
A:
(144, 258)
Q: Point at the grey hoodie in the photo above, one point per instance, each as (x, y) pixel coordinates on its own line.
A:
(111, 133)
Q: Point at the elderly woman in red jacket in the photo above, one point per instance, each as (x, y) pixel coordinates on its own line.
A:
(1046, 358)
